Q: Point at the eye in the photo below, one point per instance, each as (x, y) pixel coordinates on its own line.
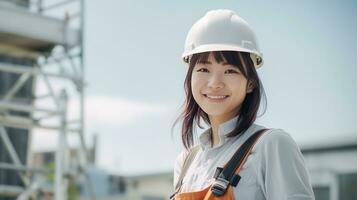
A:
(231, 71)
(202, 70)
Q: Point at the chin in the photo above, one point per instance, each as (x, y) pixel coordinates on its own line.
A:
(214, 113)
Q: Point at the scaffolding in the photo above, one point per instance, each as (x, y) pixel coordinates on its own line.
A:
(52, 48)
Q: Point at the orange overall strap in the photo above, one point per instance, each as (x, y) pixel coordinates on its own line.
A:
(228, 195)
(187, 163)
(206, 193)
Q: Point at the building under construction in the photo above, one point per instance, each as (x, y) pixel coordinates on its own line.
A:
(41, 44)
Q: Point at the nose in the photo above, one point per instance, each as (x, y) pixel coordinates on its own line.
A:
(215, 82)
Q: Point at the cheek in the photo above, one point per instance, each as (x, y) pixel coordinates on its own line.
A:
(240, 83)
(195, 86)
(238, 88)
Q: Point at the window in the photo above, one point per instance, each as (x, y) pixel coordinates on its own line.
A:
(322, 192)
(152, 198)
(347, 186)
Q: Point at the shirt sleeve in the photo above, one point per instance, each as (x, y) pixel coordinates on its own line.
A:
(282, 170)
(178, 166)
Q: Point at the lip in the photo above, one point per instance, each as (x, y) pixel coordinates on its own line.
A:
(215, 98)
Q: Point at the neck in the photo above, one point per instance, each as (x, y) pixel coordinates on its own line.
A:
(214, 137)
(215, 123)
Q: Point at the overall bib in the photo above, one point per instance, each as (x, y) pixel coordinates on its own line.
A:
(225, 178)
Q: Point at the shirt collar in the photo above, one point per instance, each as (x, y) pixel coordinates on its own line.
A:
(224, 129)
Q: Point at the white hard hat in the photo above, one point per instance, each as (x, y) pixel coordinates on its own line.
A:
(222, 30)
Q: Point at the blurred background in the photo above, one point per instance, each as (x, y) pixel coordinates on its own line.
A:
(89, 91)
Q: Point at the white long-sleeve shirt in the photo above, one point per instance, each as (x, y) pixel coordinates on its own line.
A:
(275, 169)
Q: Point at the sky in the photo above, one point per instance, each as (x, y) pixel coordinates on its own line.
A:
(135, 74)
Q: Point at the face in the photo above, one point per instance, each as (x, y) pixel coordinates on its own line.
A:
(218, 88)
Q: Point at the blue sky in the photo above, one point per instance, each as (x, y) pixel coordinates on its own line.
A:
(135, 73)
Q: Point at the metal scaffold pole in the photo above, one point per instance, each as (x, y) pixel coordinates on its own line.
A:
(61, 157)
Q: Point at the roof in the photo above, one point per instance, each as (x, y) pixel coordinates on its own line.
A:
(150, 175)
(345, 142)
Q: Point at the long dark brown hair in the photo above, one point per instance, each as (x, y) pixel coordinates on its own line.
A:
(192, 113)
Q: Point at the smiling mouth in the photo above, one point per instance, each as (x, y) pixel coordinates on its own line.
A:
(216, 97)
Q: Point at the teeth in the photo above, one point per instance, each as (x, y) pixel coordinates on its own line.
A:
(216, 97)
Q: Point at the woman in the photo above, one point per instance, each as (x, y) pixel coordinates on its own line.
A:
(223, 89)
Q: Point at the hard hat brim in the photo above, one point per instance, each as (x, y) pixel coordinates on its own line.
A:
(255, 55)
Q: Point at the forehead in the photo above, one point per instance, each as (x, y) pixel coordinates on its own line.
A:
(211, 57)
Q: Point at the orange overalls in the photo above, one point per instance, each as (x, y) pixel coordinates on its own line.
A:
(206, 193)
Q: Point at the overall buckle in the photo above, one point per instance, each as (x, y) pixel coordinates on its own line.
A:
(219, 186)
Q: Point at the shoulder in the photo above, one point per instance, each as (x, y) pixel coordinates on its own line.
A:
(181, 157)
(281, 165)
(180, 162)
(277, 146)
(276, 138)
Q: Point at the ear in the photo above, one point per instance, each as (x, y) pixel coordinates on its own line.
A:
(250, 86)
